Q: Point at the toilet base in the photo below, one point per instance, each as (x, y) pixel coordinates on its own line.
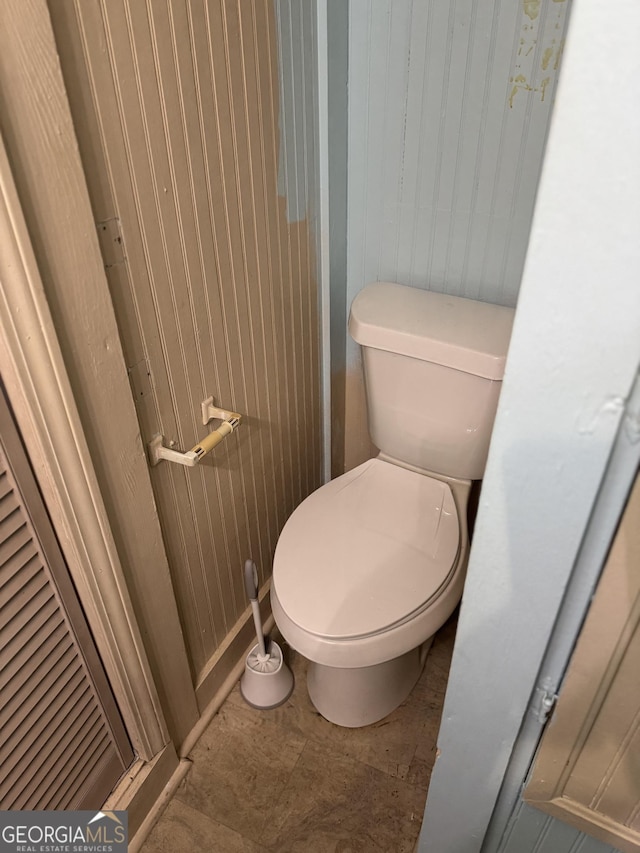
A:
(363, 695)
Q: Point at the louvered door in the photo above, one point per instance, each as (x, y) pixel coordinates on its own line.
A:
(62, 741)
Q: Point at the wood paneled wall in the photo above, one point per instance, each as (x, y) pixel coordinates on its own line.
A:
(177, 109)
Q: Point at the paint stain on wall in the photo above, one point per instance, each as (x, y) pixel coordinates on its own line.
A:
(549, 54)
(537, 52)
(519, 82)
(543, 87)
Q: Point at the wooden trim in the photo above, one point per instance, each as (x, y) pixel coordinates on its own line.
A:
(137, 841)
(145, 789)
(37, 384)
(593, 823)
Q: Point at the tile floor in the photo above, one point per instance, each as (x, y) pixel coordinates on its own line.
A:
(288, 780)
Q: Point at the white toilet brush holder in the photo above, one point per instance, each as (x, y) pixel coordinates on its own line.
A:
(267, 681)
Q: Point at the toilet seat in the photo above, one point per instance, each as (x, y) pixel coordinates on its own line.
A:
(366, 552)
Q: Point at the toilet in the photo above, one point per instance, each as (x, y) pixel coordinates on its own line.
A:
(372, 564)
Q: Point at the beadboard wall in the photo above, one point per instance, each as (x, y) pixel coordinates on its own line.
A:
(532, 831)
(448, 113)
(190, 118)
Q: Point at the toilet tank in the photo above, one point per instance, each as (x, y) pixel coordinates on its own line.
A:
(433, 367)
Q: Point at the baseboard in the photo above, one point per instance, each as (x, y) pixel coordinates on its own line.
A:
(147, 787)
(142, 785)
(221, 694)
(232, 650)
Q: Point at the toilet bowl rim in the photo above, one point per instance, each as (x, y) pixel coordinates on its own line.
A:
(375, 648)
(305, 576)
(412, 615)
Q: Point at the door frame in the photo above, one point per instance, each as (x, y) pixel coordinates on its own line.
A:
(40, 394)
(46, 229)
(600, 673)
(609, 506)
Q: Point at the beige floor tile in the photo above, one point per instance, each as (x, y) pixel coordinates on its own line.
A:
(183, 830)
(240, 766)
(338, 804)
(419, 771)
(288, 780)
(431, 690)
(389, 745)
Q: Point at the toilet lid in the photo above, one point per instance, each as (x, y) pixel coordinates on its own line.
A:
(366, 551)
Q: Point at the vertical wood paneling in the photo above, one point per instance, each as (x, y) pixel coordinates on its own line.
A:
(217, 291)
(586, 767)
(533, 832)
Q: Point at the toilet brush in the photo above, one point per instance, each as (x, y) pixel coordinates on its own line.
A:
(267, 681)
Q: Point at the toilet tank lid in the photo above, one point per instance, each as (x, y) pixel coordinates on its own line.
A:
(452, 331)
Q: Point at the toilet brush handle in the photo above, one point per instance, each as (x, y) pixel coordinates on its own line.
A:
(257, 621)
(251, 580)
(251, 586)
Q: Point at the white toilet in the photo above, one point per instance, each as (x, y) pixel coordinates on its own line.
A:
(372, 564)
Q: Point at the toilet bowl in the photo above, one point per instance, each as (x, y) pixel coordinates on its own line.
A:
(366, 570)
(372, 564)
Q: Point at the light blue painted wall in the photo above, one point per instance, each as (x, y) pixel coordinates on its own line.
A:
(534, 832)
(448, 113)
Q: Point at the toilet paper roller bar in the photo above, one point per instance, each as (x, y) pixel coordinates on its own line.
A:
(230, 421)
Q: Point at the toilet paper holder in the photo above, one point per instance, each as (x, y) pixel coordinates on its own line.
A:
(158, 450)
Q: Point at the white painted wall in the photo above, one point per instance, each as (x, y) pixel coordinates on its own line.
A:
(574, 353)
